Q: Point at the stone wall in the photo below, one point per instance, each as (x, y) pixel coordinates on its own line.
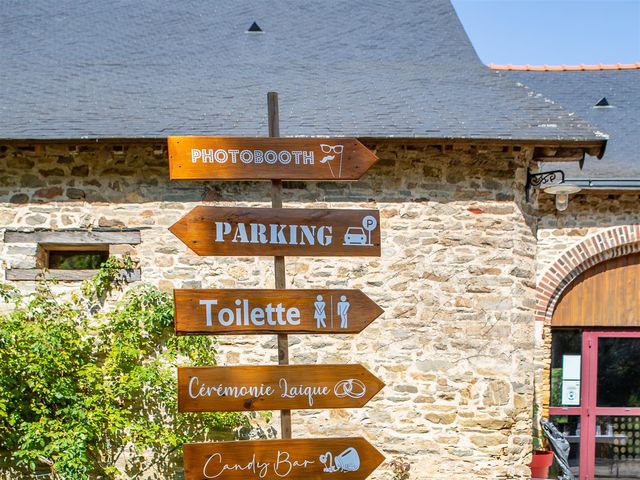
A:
(588, 214)
(456, 279)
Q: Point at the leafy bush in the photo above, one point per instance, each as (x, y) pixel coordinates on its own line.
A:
(84, 388)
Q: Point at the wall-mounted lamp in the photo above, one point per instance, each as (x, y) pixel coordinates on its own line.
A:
(560, 189)
(562, 192)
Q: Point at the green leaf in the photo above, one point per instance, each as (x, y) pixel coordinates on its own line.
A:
(80, 383)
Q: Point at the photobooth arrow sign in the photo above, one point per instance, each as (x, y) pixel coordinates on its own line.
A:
(218, 312)
(229, 231)
(277, 387)
(238, 158)
(319, 458)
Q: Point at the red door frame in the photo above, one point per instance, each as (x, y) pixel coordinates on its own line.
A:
(588, 410)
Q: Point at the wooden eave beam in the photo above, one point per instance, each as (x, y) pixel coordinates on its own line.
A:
(594, 147)
(559, 154)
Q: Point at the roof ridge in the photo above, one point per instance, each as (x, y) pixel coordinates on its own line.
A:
(565, 68)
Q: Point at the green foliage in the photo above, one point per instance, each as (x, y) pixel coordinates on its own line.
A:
(82, 388)
(556, 387)
(8, 293)
(77, 260)
(539, 441)
(400, 467)
(108, 278)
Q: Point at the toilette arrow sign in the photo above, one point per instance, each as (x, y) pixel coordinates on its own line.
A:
(310, 458)
(231, 231)
(242, 158)
(275, 387)
(219, 312)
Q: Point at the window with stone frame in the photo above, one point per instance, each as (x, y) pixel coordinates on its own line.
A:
(67, 255)
(72, 257)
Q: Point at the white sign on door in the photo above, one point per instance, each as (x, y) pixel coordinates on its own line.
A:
(571, 365)
(571, 392)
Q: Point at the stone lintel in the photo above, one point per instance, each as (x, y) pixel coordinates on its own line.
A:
(73, 237)
(32, 274)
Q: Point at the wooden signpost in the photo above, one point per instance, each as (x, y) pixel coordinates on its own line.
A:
(219, 312)
(229, 231)
(291, 387)
(241, 158)
(314, 458)
(276, 232)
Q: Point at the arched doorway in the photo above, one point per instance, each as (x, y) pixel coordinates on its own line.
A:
(595, 369)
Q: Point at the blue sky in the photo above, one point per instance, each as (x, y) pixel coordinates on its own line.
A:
(553, 32)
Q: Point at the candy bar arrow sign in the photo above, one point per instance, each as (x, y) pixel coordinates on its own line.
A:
(238, 158)
(277, 387)
(229, 231)
(217, 312)
(312, 458)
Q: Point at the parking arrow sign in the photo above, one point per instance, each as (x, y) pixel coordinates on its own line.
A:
(230, 231)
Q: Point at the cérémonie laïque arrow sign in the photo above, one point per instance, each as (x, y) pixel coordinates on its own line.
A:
(310, 458)
(230, 311)
(246, 158)
(274, 387)
(230, 231)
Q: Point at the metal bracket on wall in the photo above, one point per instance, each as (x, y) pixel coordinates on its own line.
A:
(536, 180)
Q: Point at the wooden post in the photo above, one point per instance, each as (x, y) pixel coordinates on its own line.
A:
(278, 262)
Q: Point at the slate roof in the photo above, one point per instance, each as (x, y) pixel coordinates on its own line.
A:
(151, 68)
(579, 91)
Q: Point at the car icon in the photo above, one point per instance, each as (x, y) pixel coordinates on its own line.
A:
(355, 236)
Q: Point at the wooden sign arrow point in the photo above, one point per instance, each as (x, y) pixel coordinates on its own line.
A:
(314, 458)
(237, 158)
(228, 231)
(235, 311)
(282, 387)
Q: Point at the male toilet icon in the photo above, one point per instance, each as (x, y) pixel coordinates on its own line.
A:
(343, 307)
